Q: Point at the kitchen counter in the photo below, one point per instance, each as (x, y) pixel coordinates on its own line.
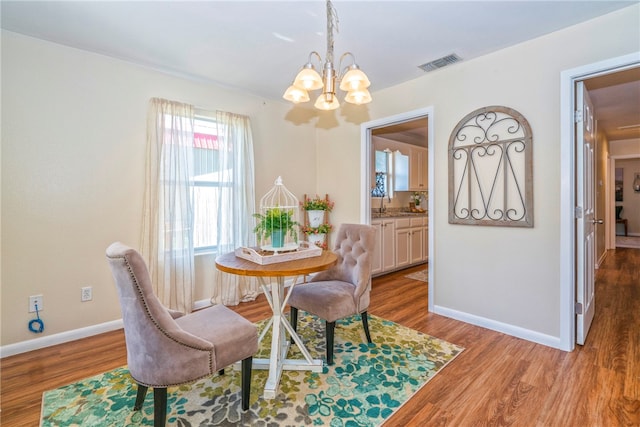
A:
(396, 214)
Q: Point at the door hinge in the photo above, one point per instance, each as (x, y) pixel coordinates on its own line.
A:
(578, 308)
(578, 212)
(577, 116)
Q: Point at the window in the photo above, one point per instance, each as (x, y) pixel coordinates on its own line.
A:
(384, 175)
(208, 187)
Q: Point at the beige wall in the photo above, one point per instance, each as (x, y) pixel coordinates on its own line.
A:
(73, 155)
(624, 147)
(509, 276)
(602, 159)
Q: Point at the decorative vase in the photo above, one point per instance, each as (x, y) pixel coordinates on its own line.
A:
(315, 218)
(277, 238)
(317, 239)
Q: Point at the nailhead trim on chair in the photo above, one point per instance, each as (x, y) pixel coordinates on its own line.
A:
(165, 333)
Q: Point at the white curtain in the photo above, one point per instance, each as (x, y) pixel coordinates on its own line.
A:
(167, 237)
(236, 229)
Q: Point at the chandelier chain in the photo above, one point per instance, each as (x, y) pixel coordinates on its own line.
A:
(332, 24)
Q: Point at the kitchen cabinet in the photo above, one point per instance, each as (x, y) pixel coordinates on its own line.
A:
(418, 169)
(401, 242)
(384, 256)
(411, 238)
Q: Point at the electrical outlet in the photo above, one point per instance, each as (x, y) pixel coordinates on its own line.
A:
(86, 294)
(35, 300)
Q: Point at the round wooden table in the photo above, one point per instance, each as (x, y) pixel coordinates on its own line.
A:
(275, 294)
(230, 263)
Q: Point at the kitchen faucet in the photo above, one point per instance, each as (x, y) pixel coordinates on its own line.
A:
(382, 208)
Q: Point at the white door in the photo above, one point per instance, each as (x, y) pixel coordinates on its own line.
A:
(585, 210)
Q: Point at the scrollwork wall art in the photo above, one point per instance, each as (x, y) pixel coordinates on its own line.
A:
(490, 169)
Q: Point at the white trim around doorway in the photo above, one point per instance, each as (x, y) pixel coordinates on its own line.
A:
(611, 203)
(365, 181)
(568, 78)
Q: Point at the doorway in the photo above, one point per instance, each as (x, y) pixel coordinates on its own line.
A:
(366, 151)
(569, 208)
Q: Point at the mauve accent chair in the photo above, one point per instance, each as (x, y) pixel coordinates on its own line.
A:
(344, 289)
(167, 348)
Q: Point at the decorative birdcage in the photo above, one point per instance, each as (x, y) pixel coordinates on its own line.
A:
(277, 220)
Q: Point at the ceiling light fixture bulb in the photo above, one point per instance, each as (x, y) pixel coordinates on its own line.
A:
(308, 78)
(296, 95)
(354, 79)
(358, 97)
(327, 102)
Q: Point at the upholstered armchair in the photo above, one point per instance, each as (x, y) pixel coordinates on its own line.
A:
(343, 290)
(166, 348)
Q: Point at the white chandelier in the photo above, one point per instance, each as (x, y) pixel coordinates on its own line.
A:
(351, 79)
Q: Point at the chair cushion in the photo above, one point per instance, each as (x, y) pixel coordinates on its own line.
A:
(331, 300)
(234, 337)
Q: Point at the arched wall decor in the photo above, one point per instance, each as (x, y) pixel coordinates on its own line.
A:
(490, 169)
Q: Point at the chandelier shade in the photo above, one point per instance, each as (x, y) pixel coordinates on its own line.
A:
(351, 79)
(327, 101)
(308, 78)
(296, 95)
(358, 97)
(354, 79)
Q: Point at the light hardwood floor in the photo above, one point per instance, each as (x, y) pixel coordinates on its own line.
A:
(497, 381)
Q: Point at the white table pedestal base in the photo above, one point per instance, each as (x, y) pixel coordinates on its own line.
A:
(279, 325)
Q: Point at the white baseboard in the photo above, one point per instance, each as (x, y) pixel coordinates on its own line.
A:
(60, 338)
(601, 260)
(505, 328)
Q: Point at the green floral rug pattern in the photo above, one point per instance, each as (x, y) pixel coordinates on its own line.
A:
(366, 384)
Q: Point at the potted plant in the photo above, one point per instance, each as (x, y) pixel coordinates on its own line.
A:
(317, 235)
(417, 197)
(316, 208)
(275, 223)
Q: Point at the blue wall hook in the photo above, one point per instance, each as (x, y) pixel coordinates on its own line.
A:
(36, 325)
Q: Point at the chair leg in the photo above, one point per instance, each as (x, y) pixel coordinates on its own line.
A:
(294, 321)
(159, 407)
(365, 324)
(330, 328)
(142, 392)
(246, 382)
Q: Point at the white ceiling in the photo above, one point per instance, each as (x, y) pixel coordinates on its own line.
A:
(258, 46)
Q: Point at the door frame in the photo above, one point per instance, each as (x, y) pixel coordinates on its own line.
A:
(611, 197)
(365, 178)
(568, 78)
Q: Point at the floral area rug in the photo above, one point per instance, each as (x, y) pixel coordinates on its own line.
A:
(419, 275)
(366, 384)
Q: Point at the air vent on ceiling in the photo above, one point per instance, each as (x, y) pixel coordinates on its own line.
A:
(441, 62)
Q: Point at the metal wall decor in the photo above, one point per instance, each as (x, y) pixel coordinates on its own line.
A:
(490, 169)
